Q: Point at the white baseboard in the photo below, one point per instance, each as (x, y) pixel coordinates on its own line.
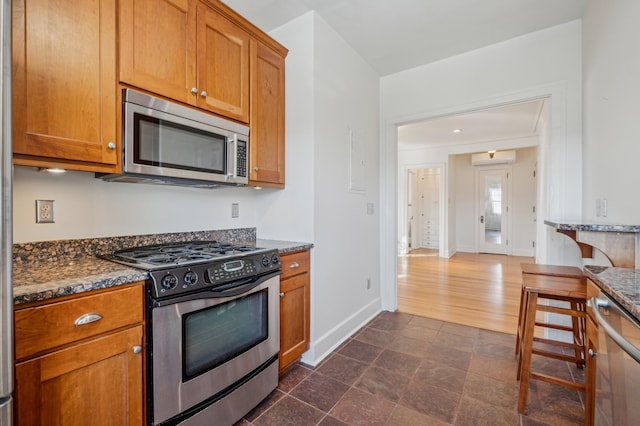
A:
(324, 345)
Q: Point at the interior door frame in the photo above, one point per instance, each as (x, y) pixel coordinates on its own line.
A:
(479, 203)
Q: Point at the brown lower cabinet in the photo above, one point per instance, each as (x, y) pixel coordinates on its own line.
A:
(74, 371)
(294, 308)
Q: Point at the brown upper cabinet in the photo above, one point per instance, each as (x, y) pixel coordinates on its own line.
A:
(69, 62)
(64, 84)
(267, 117)
(187, 51)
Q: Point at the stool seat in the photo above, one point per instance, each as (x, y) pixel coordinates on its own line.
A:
(554, 270)
(570, 289)
(547, 270)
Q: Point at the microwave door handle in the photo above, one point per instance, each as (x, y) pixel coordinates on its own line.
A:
(233, 147)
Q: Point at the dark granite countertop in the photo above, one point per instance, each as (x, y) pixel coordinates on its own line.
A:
(622, 284)
(51, 269)
(598, 227)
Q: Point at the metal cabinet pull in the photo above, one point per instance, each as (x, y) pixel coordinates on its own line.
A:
(294, 265)
(87, 319)
(281, 294)
(194, 90)
(203, 93)
(137, 349)
(111, 146)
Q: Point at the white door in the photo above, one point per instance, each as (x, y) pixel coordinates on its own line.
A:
(430, 208)
(493, 209)
(412, 210)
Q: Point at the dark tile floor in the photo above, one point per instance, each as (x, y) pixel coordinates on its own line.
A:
(403, 369)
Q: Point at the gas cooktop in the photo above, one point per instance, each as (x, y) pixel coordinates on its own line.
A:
(164, 256)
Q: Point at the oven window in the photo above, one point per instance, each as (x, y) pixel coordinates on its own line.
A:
(215, 335)
(163, 143)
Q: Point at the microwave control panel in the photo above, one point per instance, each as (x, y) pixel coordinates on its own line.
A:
(242, 159)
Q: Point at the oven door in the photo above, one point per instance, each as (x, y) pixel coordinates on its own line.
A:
(202, 346)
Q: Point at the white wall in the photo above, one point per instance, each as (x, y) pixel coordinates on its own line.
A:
(539, 64)
(86, 207)
(611, 110)
(331, 92)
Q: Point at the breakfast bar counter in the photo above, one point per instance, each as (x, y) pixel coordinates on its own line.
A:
(619, 243)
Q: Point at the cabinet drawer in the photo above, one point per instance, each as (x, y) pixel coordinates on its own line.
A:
(44, 327)
(294, 264)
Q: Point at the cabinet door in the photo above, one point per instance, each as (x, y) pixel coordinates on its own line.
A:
(98, 382)
(223, 65)
(294, 318)
(158, 47)
(64, 83)
(266, 163)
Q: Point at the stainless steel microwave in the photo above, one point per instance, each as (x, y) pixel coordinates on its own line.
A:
(167, 143)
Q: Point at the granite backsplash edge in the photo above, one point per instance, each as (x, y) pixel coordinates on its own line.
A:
(73, 249)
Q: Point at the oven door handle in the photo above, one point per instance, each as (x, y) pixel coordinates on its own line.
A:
(234, 289)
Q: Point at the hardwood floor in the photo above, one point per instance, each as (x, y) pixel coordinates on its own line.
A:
(479, 290)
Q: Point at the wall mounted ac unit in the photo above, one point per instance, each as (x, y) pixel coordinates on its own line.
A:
(499, 157)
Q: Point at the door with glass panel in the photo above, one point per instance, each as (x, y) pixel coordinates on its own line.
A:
(493, 210)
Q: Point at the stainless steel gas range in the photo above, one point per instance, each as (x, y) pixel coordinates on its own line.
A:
(212, 329)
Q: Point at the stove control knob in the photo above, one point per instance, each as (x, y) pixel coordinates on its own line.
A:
(275, 259)
(169, 282)
(265, 261)
(190, 278)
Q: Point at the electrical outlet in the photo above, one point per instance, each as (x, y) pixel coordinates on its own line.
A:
(44, 211)
(235, 210)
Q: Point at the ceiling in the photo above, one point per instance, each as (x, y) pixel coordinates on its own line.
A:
(393, 36)
(514, 121)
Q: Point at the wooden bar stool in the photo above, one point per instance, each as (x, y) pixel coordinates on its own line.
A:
(537, 269)
(568, 289)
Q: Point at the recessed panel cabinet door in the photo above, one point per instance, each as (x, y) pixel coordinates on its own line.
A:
(158, 47)
(64, 82)
(97, 382)
(223, 65)
(266, 139)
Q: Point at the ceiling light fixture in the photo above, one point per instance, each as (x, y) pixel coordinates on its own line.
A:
(457, 130)
(491, 153)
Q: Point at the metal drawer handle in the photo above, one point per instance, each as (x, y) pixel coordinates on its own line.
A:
(294, 265)
(87, 319)
(626, 346)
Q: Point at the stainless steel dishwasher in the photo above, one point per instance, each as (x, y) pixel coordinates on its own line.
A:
(617, 364)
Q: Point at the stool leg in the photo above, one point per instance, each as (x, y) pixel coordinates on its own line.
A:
(520, 319)
(527, 349)
(578, 334)
(521, 328)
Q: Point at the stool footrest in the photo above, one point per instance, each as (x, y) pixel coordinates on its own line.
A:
(557, 381)
(555, 355)
(554, 326)
(561, 311)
